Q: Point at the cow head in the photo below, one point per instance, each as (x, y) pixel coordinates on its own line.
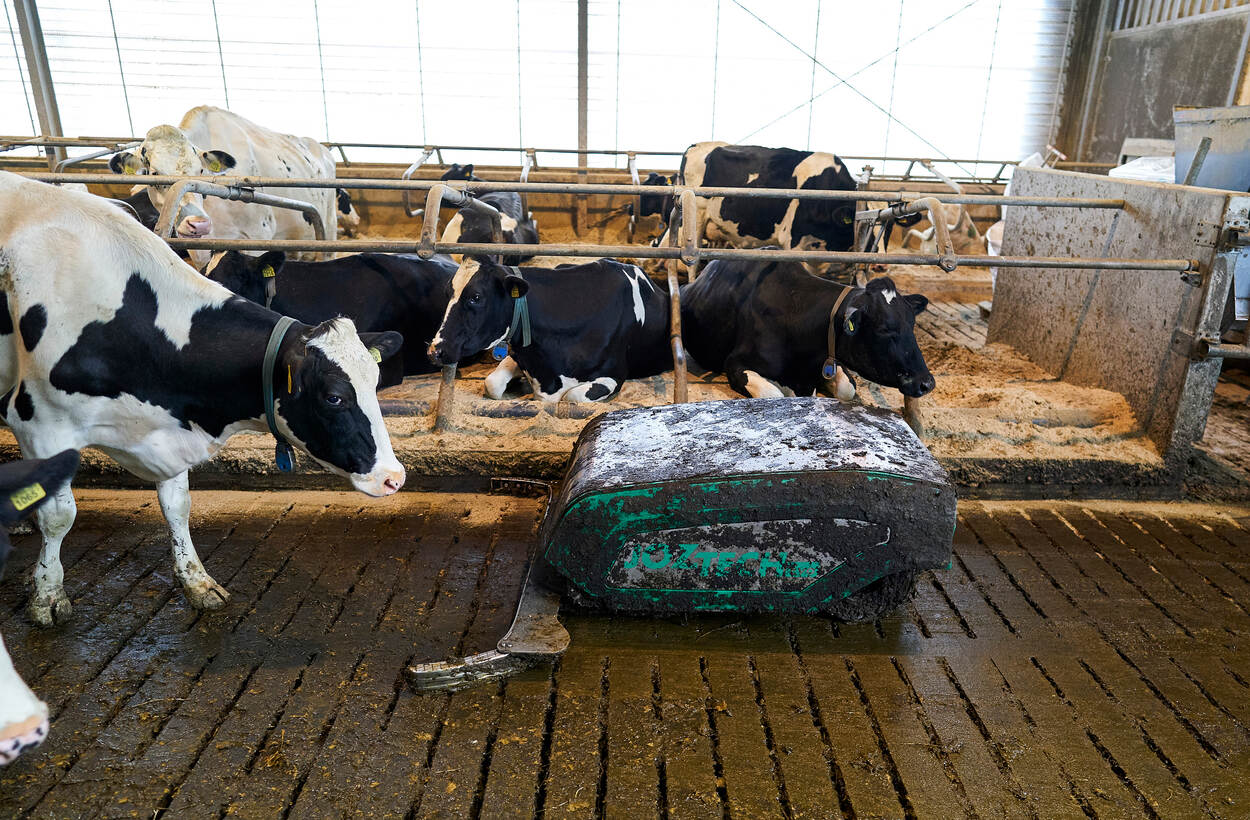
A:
(348, 216)
(457, 171)
(656, 204)
(877, 338)
(166, 151)
(243, 274)
(24, 486)
(479, 312)
(325, 402)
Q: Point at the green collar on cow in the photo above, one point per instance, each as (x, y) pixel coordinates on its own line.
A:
(284, 454)
(830, 368)
(520, 322)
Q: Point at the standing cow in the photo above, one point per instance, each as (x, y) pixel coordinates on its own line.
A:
(213, 141)
(24, 487)
(377, 291)
(789, 223)
(108, 340)
(576, 332)
(769, 325)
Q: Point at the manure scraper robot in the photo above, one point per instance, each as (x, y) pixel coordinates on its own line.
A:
(795, 505)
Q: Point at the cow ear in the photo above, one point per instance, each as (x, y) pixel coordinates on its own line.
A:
(344, 200)
(467, 170)
(125, 163)
(382, 345)
(850, 323)
(516, 286)
(269, 263)
(217, 162)
(917, 301)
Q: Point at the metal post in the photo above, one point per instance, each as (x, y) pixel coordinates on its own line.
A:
(40, 75)
(674, 319)
(583, 97)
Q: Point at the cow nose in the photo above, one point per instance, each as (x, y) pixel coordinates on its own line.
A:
(434, 354)
(393, 480)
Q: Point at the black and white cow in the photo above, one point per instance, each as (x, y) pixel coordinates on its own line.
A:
(24, 486)
(592, 326)
(467, 225)
(377, 291)
(788, 223)
(766, 326)
(108, 340)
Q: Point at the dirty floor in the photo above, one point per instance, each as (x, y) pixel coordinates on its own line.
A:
(1075, 660)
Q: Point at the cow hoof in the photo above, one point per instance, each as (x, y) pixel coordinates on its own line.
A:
(50, 610)
(206, 595)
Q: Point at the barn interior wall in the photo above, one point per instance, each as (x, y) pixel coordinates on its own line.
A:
(1134, 75)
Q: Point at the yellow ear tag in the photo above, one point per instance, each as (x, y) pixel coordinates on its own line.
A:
(288, 378)
(850, 326)
(215, 166)
(126, 169)
(376, 354)
(26, 496)
(516, 292)
(268, 272)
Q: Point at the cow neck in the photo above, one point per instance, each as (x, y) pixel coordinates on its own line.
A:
(830, 368)
(284, 454)
(520, 322)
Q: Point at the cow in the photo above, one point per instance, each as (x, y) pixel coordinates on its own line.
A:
(576, 332)
(768, 326)
(469, 225)
(348, 217)
(108, 340)
(377, 291)
(965, 238)
(212, 141)
(788, 223)
(24, 487)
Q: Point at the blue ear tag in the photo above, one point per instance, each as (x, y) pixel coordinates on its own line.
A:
(828, 370)
(499, 352)
(285, 456)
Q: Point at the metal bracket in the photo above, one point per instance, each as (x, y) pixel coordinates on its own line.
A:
(1237, 217)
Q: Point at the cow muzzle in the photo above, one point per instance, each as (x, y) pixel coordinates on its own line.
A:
(382, 482)
(194, 227)
(436, 354)
(19, 737)
(916, 386)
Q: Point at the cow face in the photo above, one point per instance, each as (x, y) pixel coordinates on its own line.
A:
(166, 151)
(479, 312)
(878, 341)
(656, 204)
(243, 274)
(457, 171)
(325, 401)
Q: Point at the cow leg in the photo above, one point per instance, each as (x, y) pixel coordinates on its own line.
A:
(499, 379)
(600, 389)
(201, 590)
(48, 604)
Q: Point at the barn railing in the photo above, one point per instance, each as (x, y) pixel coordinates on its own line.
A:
(683, 239)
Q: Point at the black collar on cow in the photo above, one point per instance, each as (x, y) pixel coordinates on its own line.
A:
(830, 368)
(283, 453)
(520, 321)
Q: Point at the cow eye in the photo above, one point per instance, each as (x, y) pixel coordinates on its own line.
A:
(475, 298)
(334, 400)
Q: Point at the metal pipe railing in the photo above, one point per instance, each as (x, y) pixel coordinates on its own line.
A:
(483, 187)
(947, 260)
(1206, 349)
(173, 205)
(407, 174)
(677, 220)
(63, 164)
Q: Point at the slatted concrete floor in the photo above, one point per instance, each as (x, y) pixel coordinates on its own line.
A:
(1075, 660)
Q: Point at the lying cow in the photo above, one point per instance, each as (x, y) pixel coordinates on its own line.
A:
(24, 487)
(769, 325)
(470, 226)
(580, 330)
(124, 348)
(789, 223)
(212, 141)
(377, 291)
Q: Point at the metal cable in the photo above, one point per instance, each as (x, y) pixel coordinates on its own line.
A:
(17, 56)
(841, 81)
(520, 138)
(416, 5)
(321, 65)
(221, 58)
(889, 116)
(989, 75)
(121, 71)
(837, 76)
(715, 69)
(811, 91)
(616, 122)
